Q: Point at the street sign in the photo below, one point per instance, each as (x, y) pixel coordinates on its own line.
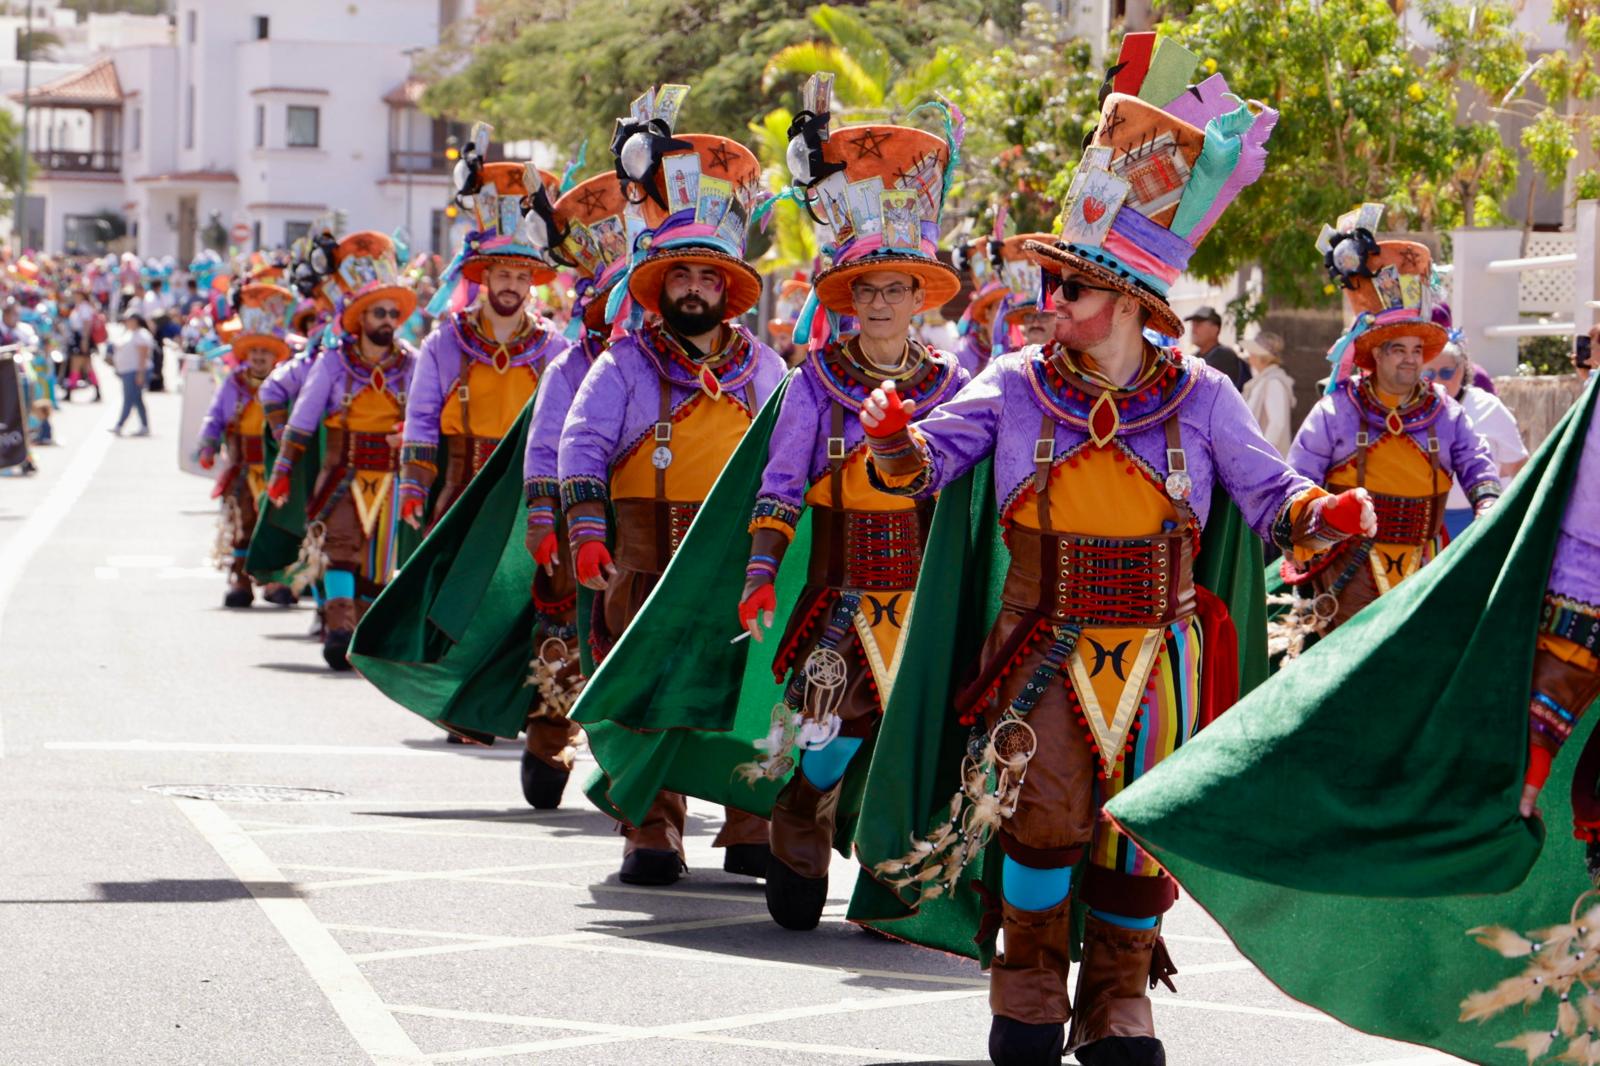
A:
(239, 233)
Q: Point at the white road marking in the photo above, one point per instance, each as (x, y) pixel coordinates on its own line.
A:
(371, 1024)
(139, 562)
(381, 877)
(562, 939)
(38, 527)
(160, 746)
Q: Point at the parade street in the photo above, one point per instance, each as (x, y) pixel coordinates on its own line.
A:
(170, 895)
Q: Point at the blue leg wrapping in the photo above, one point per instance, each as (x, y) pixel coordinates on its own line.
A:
(1124, 921)
(1031, 889)
(825, 767)
(340, 584)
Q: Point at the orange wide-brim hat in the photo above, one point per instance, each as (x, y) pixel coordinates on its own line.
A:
(741, 282)
(350, 319)
(242, 342)
(940, 282)
(1408, 258)
(510, 179)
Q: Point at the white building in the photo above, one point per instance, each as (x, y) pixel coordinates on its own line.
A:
(256, 118)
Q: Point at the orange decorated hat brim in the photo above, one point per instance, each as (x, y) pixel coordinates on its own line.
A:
(742, 282)
(1434, 337)
(473, 269)
(406, 298)
(279, 346)
(986, 300)
(940, 283)
(1053, 257)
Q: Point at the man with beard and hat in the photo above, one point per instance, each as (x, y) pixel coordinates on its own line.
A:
(357, 393)
(237, 422)
(480, 366)
(1120, 471)
(659, 413)
(595, 206)
(1385, 429)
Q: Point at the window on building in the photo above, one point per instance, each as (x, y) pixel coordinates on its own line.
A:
(188, 116)
(293, 231)
(261, 125)
(190, 22)
(136, 133)
(304, 127)
(261, 27)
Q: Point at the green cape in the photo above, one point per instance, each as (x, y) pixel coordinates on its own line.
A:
(675, 705)
(451, 635)
(916, 765)
(1352, 819)
(275, 542)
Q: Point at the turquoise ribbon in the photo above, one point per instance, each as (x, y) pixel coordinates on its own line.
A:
(953, 137)
(569, 176)
(1363, 323)
(1215, 164)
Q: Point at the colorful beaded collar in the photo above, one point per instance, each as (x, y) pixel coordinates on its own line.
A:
(844, 379)
(731, 368)
(1074, 400)
(1416, 414)
(488, 350)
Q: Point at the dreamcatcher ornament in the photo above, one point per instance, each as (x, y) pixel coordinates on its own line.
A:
(992, 773)
(229, 528)
(312, 562)
(1563, 960)
(557, 691)
(813, 725)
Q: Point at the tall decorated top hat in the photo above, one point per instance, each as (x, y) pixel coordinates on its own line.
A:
(1022, 281)
(597, 227)
(876, 193)
(695, 193)
(1388, 287)
(263, 317)
(979, 260)
(365, 272)
(1165, 161)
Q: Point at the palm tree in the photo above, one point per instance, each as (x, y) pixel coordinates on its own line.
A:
(793, 241)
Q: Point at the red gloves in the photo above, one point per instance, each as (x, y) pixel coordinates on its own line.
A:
(278, 490)
(207, 458)
(895, 416)
(1343, 513)
(592, 559)
(411, 509)
(545, 553)
(763, 600)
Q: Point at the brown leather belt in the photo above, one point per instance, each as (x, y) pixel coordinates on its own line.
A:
(465, 456)
(649, 531)
(867, 549)
(1412, 520)
(249, 448)
(363, 451)
(1101, 581)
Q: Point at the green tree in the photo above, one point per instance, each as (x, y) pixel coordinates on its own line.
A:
(1363, 119)
(1569, 79)
(15, 165)
(1028, 106)
(39, 46)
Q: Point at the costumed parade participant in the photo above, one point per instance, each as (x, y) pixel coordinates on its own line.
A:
(1117, 467)
(589, 217)
(839, 644)
(1294, 822)
(659, 413)
(979, 259)
(1383, 429)
(481, 364)
(236, 420)
(356, 392)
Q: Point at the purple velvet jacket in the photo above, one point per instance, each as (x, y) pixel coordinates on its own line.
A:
(232, 397)
(618, 404)
(973, 352)
(439, 365)
(1575, 572)
(338, 374)
(1000, 413)
(557, 389)
(283, 385)
(1327, 438)
(798, 454)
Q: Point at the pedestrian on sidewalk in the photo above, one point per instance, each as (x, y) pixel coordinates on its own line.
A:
(131, 360)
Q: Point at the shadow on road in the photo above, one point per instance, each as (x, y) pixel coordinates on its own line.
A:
(177, 890)
(506, 749)
(308, 668)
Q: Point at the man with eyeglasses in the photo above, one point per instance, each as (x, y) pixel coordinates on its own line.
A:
(1451, 370)
(480, 366)
(659, 413)
(1112, 460)
(1384, 430)
(357, 393)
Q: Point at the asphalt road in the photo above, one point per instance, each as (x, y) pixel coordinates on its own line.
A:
(416, 912)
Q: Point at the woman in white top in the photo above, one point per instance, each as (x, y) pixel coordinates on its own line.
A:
(131, 360)
(1451, 370)
(1270, 391)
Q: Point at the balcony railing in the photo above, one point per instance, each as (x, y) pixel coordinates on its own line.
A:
(78, 162)
(419, 162)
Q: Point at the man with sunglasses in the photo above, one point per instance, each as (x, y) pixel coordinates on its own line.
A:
(1111, 459)
(1451, 370)
(357, 393)
(481, 365)
(659, 413)
(1384, 430)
